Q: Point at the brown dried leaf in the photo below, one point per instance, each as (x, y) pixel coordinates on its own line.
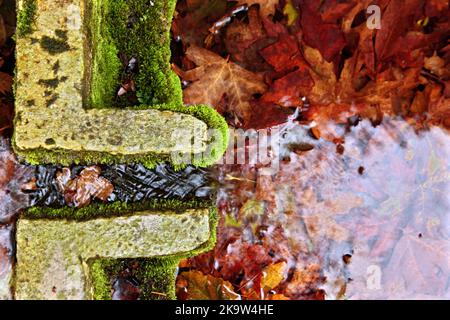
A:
(194, 285)
(87, 186)
(216, 78)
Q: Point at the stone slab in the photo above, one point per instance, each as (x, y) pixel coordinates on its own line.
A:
(49, 98)
(53, 256)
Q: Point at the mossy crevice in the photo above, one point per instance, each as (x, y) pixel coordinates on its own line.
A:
(131, 28)
(25, 17)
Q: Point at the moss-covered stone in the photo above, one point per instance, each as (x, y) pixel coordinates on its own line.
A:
(25, 19)
(156, 274)
(136, 29)
(54, 257)
(67, 112)
(87, 76)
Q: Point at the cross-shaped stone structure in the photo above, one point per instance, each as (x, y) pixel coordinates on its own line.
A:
(68, 112)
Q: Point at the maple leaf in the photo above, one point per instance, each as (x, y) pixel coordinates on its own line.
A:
(216, 78)
(194, 285)
(410, 268)
(267, 7)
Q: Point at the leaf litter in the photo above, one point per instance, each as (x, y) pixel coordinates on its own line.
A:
(359, 206)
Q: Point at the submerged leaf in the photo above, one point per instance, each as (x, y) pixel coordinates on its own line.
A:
(194, 285)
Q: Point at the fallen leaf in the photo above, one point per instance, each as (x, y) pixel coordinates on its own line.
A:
(394, 25)
(243, 41)
(273, 275)
(328, 38)
(80, 191)
(216, 78)
(267, 7)
(194, 285)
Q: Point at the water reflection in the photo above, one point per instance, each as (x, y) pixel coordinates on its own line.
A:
(6, 260)
(370, 221)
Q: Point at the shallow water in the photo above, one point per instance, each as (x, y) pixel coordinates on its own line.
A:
(373, 222)
(370, 223)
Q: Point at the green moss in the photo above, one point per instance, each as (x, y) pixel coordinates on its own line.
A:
(99, 281)
(103, 72)
(157, 276)
(135, 29)
(25, 17)
(99, 210)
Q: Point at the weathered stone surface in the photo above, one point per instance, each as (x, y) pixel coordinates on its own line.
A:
(49, 98)
(53, 257)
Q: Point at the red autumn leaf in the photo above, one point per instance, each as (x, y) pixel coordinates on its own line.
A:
(284, 55)
(289, 90)
(333, 10)
(394, 25)
(328, 38)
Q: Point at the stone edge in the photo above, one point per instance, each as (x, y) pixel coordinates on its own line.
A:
(157, 268)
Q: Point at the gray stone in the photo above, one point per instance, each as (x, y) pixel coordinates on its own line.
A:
(53, 257)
